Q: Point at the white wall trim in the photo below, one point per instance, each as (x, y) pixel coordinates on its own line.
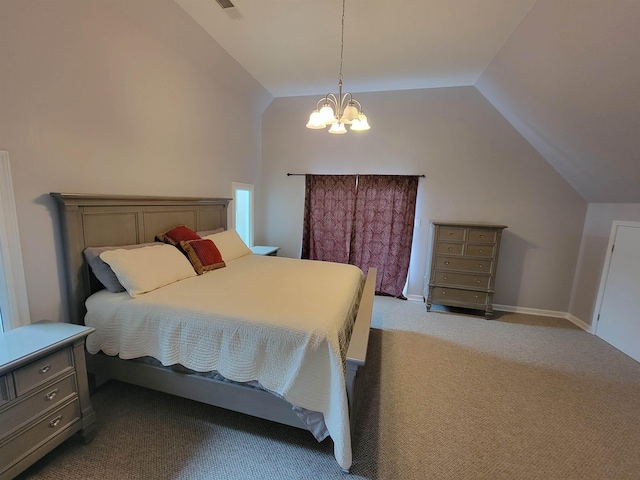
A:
(13, 298)
(545, 313)
(530, 311)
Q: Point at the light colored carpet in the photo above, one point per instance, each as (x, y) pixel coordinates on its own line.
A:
(449, 396)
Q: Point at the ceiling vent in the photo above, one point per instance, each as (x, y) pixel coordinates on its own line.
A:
(230, 9)
(225, 4)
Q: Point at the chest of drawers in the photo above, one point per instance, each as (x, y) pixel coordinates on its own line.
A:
(464, 258)
(44, 395)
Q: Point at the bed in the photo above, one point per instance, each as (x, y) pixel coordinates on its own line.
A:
(97, 220)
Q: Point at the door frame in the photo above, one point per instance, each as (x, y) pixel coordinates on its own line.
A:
(13, 288)
(606, 268)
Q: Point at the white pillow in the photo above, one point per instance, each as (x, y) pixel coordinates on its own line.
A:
(145, 269)
(230, 245)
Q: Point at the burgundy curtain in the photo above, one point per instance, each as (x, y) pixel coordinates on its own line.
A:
(383, 229)
(328, 217)
(365, 220)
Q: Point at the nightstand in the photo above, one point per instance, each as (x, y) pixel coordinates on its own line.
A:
(44, 394)
(265, 250)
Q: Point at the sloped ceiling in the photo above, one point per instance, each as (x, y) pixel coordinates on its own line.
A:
(292, 47)
(565, 73)
(569, 80)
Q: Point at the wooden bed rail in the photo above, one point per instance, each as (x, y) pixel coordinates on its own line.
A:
(357, 352)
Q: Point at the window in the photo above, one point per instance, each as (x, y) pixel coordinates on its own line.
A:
(243, 205)
(14, 308)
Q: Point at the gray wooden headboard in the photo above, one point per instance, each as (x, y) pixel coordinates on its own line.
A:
(101, 220)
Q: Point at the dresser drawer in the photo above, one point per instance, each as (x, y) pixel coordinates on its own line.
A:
(42, 400)
(480, 250)
(30, 439)
(481, 236)
(450, 248)
(452, 295)
(461, 279)
(465, 264)
(451, 233)
(42, 370)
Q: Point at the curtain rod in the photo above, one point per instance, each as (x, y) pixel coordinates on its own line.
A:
(398, 175)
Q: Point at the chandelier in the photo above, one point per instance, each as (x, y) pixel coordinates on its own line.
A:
(339, 110)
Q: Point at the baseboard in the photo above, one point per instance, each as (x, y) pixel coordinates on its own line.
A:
(545, 313)
(531, 311)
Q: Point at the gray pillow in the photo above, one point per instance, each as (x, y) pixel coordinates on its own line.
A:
(103, 271)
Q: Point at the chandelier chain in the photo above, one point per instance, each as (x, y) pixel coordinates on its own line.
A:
(341, 43)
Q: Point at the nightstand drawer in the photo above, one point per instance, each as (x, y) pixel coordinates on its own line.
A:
(447, 295)
(42, 370)
(450, 248)
(486, 251)
(39, 402)
(53, 424)
(461, 279)
(446, 233)
(482, 236)
(466, 264)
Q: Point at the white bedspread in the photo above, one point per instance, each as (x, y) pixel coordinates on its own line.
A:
(271, 319)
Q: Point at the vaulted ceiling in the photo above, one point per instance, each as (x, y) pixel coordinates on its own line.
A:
(565, 73)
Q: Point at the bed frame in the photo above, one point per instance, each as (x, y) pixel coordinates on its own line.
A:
(100, 220)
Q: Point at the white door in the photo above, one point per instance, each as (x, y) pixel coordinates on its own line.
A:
(619, 313)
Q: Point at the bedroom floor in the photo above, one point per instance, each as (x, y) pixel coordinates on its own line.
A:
(450, 396)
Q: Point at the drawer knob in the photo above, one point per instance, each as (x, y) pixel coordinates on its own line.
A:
(444, 277)
(443, 293)
(480, 265)
(475, 296)
(482, 235)
(478, 282)
(479, 251)
(45, 369)
(54, 423)
(451, 234)
(51, 395)
(446, 263)
(450, 249)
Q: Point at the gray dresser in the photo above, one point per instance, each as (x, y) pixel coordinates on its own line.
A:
(464, 259)
(44, 396)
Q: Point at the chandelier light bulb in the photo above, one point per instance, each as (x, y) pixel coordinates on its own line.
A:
(315, 121)
(337, 128)
(361, 123)
(350, 114)
(326, 114)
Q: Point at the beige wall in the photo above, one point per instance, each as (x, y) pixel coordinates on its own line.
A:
(478, 168)
(593, 250)
(119, 97)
